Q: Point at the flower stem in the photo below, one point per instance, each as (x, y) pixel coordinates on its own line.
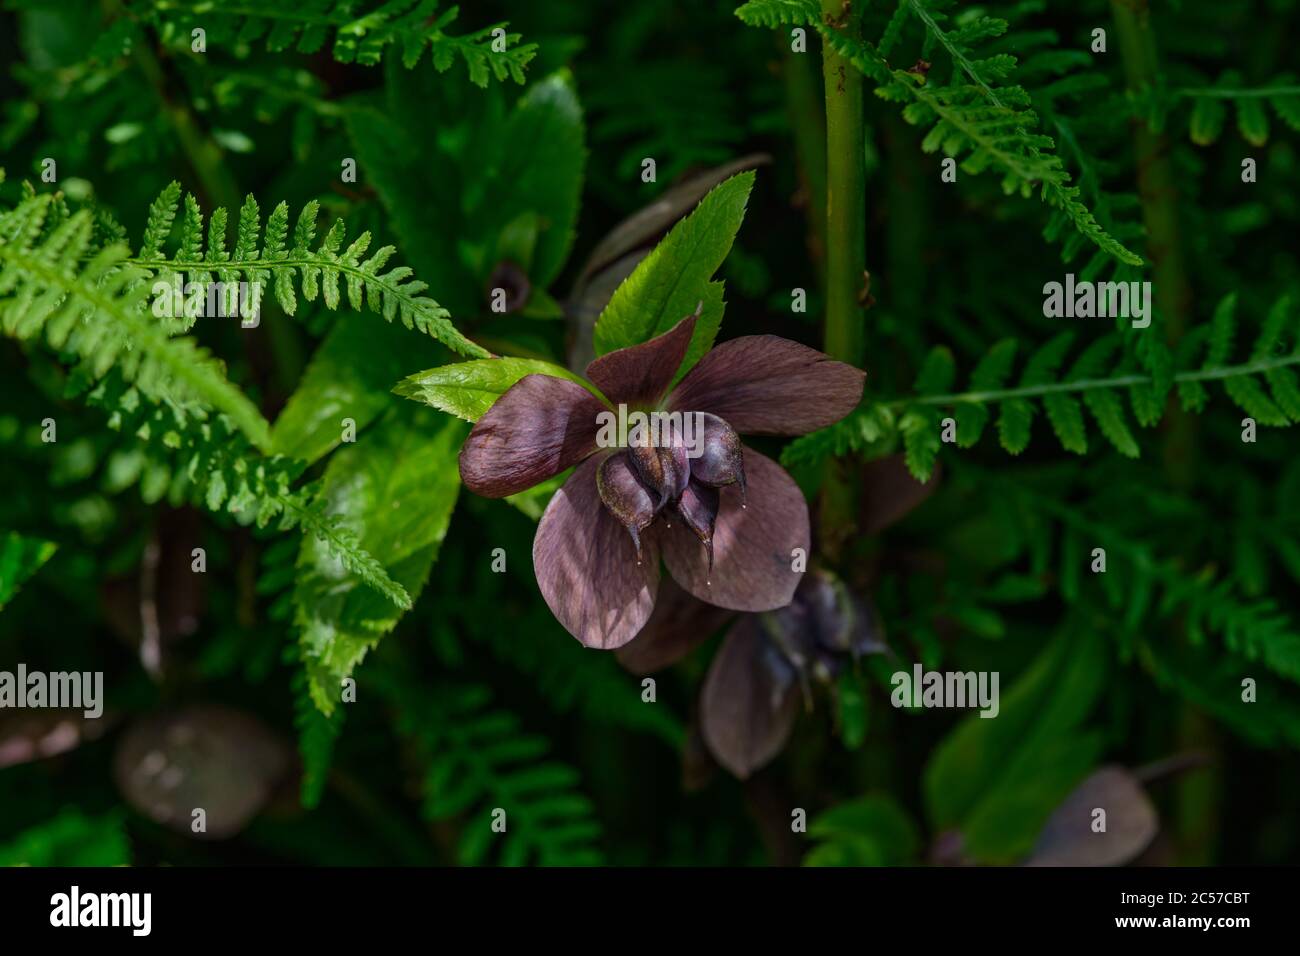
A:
(846, 187)
(807, 121)
(846, 249)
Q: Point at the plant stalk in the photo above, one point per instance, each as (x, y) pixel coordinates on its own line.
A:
(1159, 196)
(846, 194)
(846, 250)
(1199, 793)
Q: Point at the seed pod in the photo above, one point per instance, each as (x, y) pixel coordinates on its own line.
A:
(623, 494)
(721, 461)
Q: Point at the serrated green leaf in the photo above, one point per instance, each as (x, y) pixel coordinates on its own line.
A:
(921, 441)
(1251, 398)
(1066, 416)
(395, 491)
(1108, 410)
(1285, 387)
(20, 558)
(869, 831)
(1014, 423)
(937, 372)
(997, 781)
(1252, 120)
(350, 376)
(468, 389)
(971, 419)
(1206, 123)
(667, 285)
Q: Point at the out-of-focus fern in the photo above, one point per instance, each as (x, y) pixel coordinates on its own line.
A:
(1091, 382)
(1146, 587)
(479, 761)
(258, 259)
(972, 115)
(363, 30)
(1209, 110)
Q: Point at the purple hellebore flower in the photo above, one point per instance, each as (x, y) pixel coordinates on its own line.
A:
(725, 523)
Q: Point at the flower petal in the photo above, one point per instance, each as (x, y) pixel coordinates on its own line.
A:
(752, 545)
(679, 623)
(539, 427)
(587, 566)
(750, 700)
(640, 374)
(767, 385)
(1068, 837)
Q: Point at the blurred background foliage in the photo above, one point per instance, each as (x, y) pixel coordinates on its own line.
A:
(1121, 689)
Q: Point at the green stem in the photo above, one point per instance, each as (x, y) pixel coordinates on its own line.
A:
(207, 159)
(1156, 183)
(807, 121)
(1159, 197)
(846, 189)
(1173, 298)
(846, 249)
(1225, 93)
(1088, 384)
(906, 231)
(203, 154)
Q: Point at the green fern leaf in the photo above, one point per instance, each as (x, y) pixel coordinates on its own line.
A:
(364, 32)
(97, 310)
(1108, 411)
(394, 294)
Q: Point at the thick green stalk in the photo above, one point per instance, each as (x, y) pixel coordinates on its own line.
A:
(1159, 195)
(1198, 792)
(808, 123)
(203, 154)
(846, 188)
(846, 247)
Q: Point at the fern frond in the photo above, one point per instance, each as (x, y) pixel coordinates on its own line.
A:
(1266, 387)
(480, 762)
(97, 310)
(203, 458)
(989, 124)
(364, 32)
(1209, 110)
(777, 13)
(1149, 586)
(394, 294)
